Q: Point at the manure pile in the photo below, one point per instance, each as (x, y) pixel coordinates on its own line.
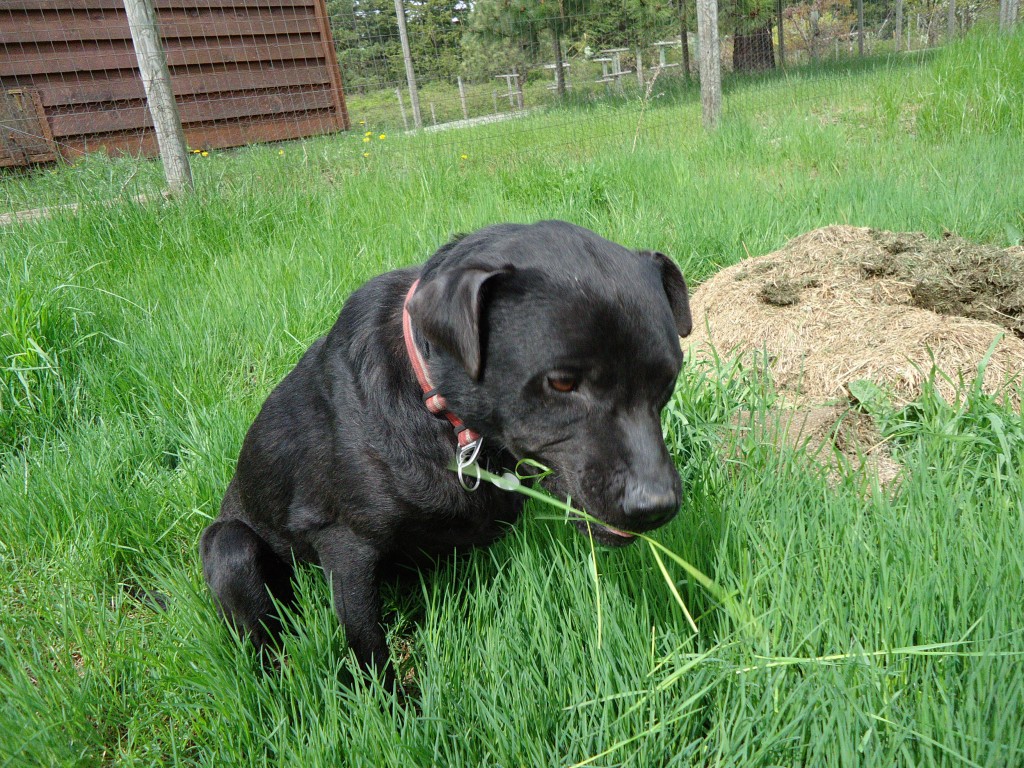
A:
(843, 304)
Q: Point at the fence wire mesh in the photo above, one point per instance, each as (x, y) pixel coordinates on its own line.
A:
(251, 71)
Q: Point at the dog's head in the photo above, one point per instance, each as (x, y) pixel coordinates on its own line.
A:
(563, 347)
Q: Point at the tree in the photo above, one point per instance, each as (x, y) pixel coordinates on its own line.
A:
(511, 31)
(500, 35)
(684, 37)
(631, 23)
(814, 25)
(751, 24)
(435, 36)
(558, 18)
(366, 37)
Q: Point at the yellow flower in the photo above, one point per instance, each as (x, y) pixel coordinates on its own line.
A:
(368, 133)
(464, 157)
(362, 122)
(366, 139)
(382, 136)
(280, 151)
(366, 154)
(196, 151)
(204, 153)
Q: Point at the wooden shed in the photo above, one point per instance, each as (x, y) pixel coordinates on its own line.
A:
(242, 71)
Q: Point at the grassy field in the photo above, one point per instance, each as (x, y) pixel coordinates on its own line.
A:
(138, 341)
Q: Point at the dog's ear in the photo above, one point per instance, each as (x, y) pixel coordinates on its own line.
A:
(675, 288)
(447, 309)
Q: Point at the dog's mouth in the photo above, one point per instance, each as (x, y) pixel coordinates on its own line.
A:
(589, 526)
(604, 534)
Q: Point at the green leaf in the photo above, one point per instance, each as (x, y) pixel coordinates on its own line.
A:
(867, 394)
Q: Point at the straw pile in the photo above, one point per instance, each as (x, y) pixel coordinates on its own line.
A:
(842, 304)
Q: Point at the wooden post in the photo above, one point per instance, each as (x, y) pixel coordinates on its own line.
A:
(559, 66)
(433, 114)
(782, 35)
(518, 93)
(860, 28)
(898, 30)
(410, 73)
(951, 21)
(710, 62)
(156, 80)
(1008, 10)
(462, 98)
(640, 67)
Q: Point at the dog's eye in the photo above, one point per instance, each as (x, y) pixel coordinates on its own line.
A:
(562, 383)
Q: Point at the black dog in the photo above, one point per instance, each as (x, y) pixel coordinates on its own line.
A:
(548, 341)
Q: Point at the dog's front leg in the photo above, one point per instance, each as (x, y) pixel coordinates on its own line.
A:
(352, 566)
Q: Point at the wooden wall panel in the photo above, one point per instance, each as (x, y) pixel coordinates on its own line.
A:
(243, 71)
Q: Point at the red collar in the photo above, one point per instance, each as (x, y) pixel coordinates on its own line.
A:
(434, 401)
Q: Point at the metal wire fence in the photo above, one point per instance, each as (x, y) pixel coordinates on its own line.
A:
(250, 71)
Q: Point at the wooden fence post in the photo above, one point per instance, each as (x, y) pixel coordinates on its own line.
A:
(410, 73)
(782, 34)
(860, 28)
(462, 98)
(898, 29)
(1008, 11)
(710, 62)
(156, 80)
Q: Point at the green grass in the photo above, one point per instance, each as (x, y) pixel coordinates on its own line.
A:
(138, 342)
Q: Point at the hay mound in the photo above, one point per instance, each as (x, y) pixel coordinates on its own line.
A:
(843, 304)
(826, 432)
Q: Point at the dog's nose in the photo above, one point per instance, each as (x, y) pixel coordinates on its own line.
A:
(650, 507)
